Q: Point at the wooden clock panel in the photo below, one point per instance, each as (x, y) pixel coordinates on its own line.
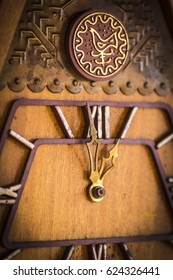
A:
(42, 209)
(117, 194)
(79, 154)
(87, 219)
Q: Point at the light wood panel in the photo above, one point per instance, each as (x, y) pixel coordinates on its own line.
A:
(134, 208)
(58, 200)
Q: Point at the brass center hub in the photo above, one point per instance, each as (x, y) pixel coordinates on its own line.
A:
(96, 192)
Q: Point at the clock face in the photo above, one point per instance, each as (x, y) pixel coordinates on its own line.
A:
(86, 163)
(106, 159)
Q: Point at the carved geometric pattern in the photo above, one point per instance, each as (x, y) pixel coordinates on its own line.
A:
(39, 33)
(38, 56)
(144, 36)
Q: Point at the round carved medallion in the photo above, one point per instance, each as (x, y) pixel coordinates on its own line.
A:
(98, 45)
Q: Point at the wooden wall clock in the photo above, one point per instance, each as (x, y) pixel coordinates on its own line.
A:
(86, 149)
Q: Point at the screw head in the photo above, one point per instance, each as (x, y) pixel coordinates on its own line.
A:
(146, 85)
(93, 83)
(56, 82)
(98, 192)
(37, 81)
(17, 81)
(75, 83)
(129, 84)
(163, 85)
(111, 83)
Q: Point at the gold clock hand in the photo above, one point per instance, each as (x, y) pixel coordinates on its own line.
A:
(93, 131)
(96, 191)
(113, 153)
(94, 174)
(97, 176)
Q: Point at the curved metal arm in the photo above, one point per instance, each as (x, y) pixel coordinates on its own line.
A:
(96, 175)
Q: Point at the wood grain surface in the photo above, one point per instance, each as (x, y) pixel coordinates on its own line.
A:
(54, 204)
